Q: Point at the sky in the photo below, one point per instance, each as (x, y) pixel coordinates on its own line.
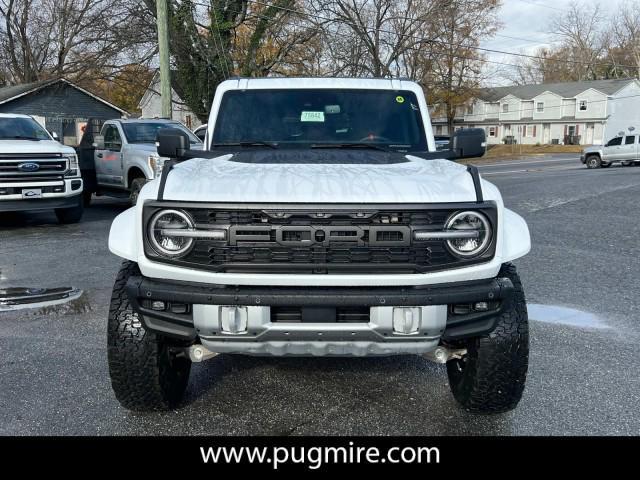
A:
(526, 28)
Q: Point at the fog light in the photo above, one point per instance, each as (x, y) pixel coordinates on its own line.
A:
(157, 305)
(233, 320)
(406, 320)
(481, 306)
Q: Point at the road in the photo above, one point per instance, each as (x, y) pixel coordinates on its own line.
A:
(580, 279)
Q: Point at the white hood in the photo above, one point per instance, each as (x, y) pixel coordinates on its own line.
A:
(33, 146)
(414, 180)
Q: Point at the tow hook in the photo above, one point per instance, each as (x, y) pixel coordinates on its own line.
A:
(443, 354)
(197, 353)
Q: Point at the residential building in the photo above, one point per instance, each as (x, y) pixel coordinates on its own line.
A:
(585, 113)
(60, 106)
(151, 104)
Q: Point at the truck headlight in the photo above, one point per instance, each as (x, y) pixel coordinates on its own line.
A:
(165, 232)
(74, 166)
(156, 164)
(468, 222)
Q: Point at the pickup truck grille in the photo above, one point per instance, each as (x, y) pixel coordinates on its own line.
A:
(32, 169)
(320, 239)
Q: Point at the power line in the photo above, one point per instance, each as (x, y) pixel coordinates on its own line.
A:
(543, 5)
(482, 49)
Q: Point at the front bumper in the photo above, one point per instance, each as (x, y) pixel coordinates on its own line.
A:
(202, 310)
(45, 203)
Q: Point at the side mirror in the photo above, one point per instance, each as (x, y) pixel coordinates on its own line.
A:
(172, 143)
(98, 142)
(54, 135)
(469, 142)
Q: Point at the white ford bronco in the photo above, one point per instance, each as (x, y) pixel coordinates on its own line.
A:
(36, 171)
(319, 220)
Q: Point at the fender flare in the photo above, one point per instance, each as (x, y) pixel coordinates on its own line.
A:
(516, 237)
(122, 236)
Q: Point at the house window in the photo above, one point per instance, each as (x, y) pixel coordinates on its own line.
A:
(582, 105)
(540, 107)
(492, 131)
(470, 109)
(438, 129)
(505, 108)
(187, 121)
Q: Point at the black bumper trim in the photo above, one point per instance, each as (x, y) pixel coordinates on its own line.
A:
(40, 204)
(181, 325)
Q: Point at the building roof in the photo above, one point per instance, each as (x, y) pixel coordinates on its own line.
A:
(565, 90)
(8, 94)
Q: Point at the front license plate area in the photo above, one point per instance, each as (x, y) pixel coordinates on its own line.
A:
(32, 193)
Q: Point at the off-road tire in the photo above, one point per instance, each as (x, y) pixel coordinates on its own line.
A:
(146, 374)
(135, 187)
(70, 215)
(593, 161)
(490, 378)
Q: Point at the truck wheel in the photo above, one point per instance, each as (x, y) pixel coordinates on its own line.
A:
(490, 378)
(136, 186)
(70, 215)
(593, 161)
(146, 372)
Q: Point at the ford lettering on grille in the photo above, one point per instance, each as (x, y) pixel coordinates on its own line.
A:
(326, 235)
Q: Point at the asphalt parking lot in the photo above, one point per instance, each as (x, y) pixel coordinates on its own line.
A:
(583, 376)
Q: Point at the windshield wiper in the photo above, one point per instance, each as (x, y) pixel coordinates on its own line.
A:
(243, 144)
(372, 146)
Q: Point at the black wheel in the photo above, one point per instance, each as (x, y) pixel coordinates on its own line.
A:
(136, 186)
(593, 161)
(147, 371)
(86, 198)
(70, 215)
(627, 163)
(490, 378)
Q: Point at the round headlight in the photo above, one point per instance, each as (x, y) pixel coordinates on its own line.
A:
(470, 223)
(164, 232)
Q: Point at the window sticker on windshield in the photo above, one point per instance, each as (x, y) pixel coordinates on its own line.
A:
(400, 99)
(312, 117)
(332, 109)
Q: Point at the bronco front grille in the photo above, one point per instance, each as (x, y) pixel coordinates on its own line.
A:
(320, 239)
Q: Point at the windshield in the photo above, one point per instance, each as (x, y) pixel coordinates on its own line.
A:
(146, 132)
(22, 128)
(306, 118)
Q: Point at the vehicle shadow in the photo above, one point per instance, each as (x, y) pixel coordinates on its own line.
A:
(100, 209)
(396, 395)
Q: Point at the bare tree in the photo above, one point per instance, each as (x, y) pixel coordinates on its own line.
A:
(80, 39)
(625, 46)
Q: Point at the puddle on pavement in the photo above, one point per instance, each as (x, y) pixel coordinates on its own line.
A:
(564, 316)
(61, 300)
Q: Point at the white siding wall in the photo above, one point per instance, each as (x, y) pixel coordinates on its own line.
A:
(152, 107)
(552, 106)
(514, 108)
(568, 107)
(596, 104)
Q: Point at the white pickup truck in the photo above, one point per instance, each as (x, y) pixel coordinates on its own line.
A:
(125, 155)
(319, 221)
(36, 171)
(624, 149)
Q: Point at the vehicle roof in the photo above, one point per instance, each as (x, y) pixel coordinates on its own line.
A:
(319, 83)
(144, 120)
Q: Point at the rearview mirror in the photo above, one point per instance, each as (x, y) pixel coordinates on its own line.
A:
(469, 142)
(172, 143)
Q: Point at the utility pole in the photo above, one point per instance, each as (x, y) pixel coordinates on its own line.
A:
(163, 48)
